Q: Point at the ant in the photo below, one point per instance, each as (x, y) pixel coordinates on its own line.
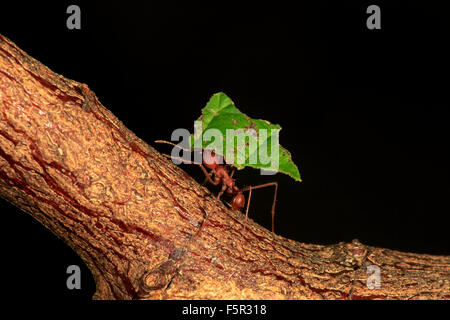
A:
(220, 174)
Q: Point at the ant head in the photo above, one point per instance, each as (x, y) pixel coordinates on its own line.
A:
(210, 159)
(238, 201)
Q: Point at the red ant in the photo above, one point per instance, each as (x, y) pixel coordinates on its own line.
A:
(220, 174)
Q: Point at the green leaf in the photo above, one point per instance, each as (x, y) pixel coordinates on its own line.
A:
(251, 145)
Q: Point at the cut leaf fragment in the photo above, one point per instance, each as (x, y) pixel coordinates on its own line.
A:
(244, 142)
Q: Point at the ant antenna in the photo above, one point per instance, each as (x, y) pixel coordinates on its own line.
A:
(207, 174)
(172, 144)
(177, 146)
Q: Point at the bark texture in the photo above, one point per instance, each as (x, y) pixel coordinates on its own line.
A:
(145, 228)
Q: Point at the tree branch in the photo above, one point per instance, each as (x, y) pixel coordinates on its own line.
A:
(148, 230)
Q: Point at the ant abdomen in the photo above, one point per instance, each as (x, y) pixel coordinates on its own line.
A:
(238, 201)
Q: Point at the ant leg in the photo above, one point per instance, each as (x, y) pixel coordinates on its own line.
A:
(275, 184)
(224, 187)
(248, 202)
(206, 178)
(207, 174)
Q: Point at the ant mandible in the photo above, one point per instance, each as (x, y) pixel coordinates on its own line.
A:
(220, 174)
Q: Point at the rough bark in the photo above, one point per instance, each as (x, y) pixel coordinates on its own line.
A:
(145, 228)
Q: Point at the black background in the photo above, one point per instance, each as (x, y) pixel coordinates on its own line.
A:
(364, 112)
